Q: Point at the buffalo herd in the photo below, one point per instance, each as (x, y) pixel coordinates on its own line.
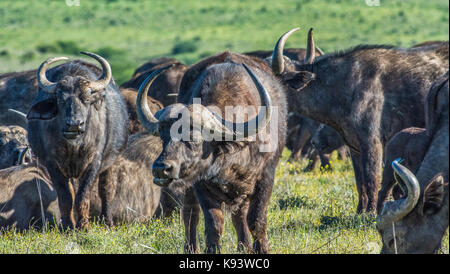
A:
(206, 138)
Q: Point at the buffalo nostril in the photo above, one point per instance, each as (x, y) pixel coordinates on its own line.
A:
(168, 169)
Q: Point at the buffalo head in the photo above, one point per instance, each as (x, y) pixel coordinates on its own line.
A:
(184, 158)
(70, 98)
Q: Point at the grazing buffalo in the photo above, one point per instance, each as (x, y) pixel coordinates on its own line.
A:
(238, 171)
(364, 93)
(77, 127)
(417, 222)
(27, 197)
(166, 86)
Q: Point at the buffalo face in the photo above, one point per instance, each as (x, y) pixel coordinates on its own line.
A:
(186, 154)
(179, 159)
(70, 99)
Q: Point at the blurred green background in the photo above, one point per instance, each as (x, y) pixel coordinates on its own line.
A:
(309, 212)
(129, 32)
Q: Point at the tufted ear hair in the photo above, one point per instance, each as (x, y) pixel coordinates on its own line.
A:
(298, 80)
(433, 195)
(43, 110)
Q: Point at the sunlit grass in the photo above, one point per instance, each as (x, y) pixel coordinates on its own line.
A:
(308, 213)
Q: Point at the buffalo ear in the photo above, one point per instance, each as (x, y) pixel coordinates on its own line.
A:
(298, 80)
(43, 110)
(433, 195)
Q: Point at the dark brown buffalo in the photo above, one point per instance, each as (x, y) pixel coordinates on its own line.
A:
(131, 194)
(417, 222)
(27, 197)
(236, 173)
(365, 94)
(166, 86)
(77, 127)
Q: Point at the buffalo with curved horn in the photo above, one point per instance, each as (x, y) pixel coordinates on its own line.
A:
(234, 170)
(416, 223)
(359, 92)
(77, 126)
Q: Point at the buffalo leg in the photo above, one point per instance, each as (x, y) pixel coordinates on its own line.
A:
(82, 199)
(239, 218)
(65, 194)
(300, 141)
(342, 153)
(190, 213)
(214, 220)
(106, 193)
(371, 162)
(325, 161)
(257, 214)
(362, 195)
(312, 162)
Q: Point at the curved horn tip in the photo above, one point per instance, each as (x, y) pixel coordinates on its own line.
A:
(277, 53)
(43, 82)
(144, 113)
(396, 210)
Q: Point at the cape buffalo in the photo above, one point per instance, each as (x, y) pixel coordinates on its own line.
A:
(77, 126)
(128, 184)
(417, 222)
(367, 94)
(166, 86)
(235, 171)
(26, 197)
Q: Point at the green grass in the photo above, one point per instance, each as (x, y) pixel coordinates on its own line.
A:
(308, 213)
(31, 31)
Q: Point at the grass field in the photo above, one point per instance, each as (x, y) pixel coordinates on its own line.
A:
(128, 32)
(309, 212)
